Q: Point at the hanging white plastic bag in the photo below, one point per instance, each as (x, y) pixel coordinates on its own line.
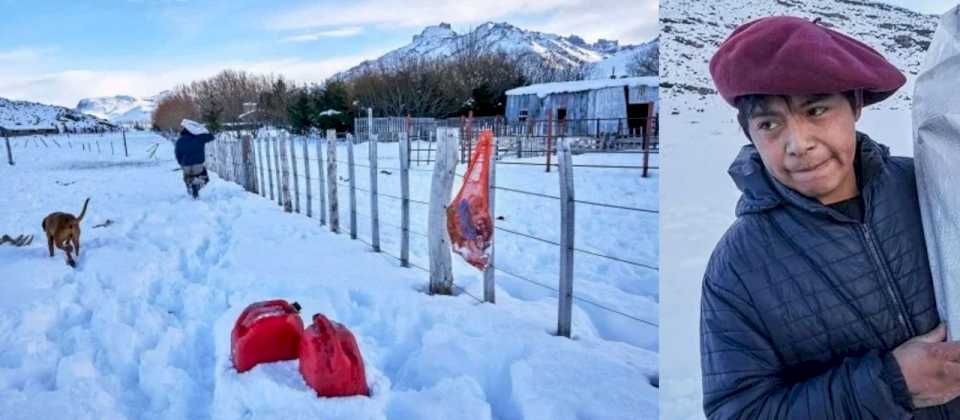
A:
(936, 148)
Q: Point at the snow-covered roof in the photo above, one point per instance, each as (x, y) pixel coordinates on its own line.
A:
(544, 89)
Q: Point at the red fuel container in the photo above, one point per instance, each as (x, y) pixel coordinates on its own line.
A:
(265, 332)
(330, 360)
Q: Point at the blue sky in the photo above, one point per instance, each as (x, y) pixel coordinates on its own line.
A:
(61, 51)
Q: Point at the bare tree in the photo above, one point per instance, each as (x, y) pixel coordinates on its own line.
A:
(646, 63)
(172, 109)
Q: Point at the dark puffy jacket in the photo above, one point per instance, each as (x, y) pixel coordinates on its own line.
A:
(189, 148)
(802, 305)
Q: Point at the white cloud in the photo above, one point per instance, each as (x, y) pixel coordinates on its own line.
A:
(66, 88)
(630, 22)
(333, 33)
(22, 55)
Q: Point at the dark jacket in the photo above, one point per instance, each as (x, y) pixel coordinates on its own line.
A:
(189, 148)
(802, 304)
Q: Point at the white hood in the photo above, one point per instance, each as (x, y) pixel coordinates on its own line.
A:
(194, 127)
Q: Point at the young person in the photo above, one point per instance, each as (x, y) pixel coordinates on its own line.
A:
(818, 301)
(191, 155)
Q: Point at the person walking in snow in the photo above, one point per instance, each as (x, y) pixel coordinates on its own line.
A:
(818, 301)
(191, 155)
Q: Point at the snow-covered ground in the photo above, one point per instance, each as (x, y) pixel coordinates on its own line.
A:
(140, 329)
(698, 202)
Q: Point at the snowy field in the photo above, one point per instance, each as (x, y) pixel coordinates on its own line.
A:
(140, 329)
(699, 199)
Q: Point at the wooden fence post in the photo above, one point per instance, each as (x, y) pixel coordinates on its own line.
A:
(258, 144)
(567, 221)
(296, 180)
(126, 152)
(646, 151)
(285, 164)
(276, 167)
(489, 280)
(306, 175)
(9, 152)
(332, 180)
(374, 202)
(405, 202)
(353, 188)
(268, 157)
(549, 137)
(249, 166)
(222, 162)
(320, 183)
(441, 269)
(223, 159)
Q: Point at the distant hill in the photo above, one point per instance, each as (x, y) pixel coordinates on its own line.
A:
(121, 109)
(21, 115)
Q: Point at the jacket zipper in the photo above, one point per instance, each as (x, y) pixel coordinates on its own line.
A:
(887, 278)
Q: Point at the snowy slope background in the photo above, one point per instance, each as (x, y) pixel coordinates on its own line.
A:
(692, 30)
(705, 138)
(23, 115)
(121, 109)
(140, 329)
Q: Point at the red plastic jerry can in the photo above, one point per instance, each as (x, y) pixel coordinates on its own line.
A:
(265, 332)
(330, 360)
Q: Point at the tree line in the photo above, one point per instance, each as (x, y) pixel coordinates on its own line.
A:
(469, 80)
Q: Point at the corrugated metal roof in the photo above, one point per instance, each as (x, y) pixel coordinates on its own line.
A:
(544, 89)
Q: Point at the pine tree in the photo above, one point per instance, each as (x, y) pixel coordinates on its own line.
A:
(211, 117)
(300, 112)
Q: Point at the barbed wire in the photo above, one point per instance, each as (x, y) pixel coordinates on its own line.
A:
(575, 297)
(616, 206)
(412, 264)
(526, 192)
(610, 257)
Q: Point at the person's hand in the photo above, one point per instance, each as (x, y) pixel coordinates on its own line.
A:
(930, 367)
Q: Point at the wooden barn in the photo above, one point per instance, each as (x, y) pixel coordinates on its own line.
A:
(625, 106)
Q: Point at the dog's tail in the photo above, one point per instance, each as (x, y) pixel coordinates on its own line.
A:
(84, 211)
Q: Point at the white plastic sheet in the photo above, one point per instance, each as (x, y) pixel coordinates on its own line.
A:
(936, 134)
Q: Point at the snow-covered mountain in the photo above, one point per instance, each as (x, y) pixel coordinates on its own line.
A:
(692, 30)
(121, 109)
(20, 115)
(630, 60)
(554, 50)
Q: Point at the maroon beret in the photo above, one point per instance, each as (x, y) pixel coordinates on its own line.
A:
(784, 55)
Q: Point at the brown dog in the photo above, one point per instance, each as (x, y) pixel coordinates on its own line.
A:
(63, 230)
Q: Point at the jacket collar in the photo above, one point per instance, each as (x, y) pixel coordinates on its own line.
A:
(762, 192)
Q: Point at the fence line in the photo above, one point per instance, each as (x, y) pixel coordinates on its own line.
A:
(38, 138)
(281, 162)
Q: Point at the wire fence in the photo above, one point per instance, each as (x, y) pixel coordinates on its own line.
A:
(523, 138)
(305, 162)
(95, 142)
